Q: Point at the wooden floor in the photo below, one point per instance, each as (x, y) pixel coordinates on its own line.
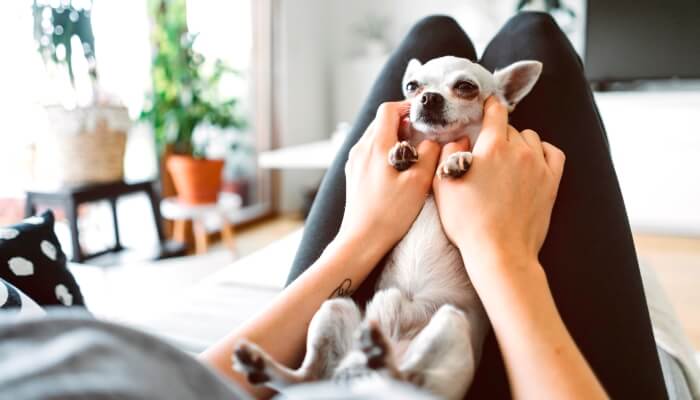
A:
(676, 261)
(258, 235)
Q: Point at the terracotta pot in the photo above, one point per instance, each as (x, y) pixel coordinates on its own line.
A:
(197, 181)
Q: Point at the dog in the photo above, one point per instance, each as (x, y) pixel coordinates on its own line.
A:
(425, 323)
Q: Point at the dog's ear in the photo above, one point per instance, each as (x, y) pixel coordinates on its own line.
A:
(516, 80)
(412, 66)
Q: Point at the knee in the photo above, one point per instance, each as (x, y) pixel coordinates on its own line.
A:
(539, 37)
(434, 23)
(535, 23)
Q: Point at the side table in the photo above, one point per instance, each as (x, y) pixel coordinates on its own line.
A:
(70, 197)
(202, 215)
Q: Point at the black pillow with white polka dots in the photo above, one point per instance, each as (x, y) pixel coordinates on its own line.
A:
(32, 260)
(13, 300)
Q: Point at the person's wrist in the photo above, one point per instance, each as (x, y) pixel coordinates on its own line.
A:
(361, 242)
(494, 270)
(487, 255)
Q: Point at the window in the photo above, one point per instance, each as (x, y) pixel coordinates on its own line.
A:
(236, 32)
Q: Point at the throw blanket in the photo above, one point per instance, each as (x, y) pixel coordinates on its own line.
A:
(668, 331)
(69, 356)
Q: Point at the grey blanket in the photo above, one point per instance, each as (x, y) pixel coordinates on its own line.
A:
(69, 356)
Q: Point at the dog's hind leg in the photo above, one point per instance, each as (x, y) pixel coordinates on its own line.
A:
(378, 349)
(261, 369)
(442, 357)
(329, 338)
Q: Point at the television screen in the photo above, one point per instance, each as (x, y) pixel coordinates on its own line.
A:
(642, 39)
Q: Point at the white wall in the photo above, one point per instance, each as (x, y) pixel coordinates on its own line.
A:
(301, 90)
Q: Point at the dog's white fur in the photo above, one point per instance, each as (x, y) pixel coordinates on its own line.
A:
(425, 323)
(439, 75)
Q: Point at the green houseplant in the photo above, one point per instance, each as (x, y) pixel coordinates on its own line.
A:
(88, 134)
(183, 98)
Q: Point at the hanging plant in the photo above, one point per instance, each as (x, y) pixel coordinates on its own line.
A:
(55, 26)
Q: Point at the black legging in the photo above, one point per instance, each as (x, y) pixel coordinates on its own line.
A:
(588, 256)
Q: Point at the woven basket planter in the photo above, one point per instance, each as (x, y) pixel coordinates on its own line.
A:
(90, 143)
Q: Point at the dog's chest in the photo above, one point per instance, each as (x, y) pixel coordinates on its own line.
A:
(426, 267)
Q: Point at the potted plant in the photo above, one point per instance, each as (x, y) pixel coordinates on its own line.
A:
(185, 98)
(89, 132)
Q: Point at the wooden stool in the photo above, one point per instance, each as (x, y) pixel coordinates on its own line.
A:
(203, 217)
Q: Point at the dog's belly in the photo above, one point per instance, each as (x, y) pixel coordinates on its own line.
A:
(428, 270)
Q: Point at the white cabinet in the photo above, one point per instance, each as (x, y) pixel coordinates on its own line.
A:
(655, 143)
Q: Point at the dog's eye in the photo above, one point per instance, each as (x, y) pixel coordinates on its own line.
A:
(465, 87)
(411, 86)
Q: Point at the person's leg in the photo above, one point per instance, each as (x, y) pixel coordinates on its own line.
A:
(431, 37)
(588, 256)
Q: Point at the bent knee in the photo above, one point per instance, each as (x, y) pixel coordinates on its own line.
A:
(434, 23)
(534, 21)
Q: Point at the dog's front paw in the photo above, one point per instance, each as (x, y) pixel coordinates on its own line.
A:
(456, 165)
(403, 155)
(249, 360)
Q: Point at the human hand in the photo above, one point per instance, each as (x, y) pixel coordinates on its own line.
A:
(503, 204)
(381, 202)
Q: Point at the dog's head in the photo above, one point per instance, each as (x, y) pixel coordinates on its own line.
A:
(448, 93)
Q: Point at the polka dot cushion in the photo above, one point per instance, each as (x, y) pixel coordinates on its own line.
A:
(12, 300)
(31, 259)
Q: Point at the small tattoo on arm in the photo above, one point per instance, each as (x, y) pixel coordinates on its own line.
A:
(343, 290)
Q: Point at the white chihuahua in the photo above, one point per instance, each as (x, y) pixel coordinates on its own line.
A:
(425, 324)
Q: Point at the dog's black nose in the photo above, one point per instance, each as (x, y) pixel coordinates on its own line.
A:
(432, 101)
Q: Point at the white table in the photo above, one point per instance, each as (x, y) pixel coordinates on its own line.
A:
(314, 155)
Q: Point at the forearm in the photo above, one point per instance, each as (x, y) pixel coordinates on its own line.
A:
(541, 358)
(281, 327)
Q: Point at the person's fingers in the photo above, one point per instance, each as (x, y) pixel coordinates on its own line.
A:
(454, 147)
(533, 140)
(428, 154)
(514, 136)
(494, 126)
(353, 151)
(554, 157)
(368, 134)
(386, 126)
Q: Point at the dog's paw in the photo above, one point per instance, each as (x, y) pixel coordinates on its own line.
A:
(456, 165)
(415, 377)
(403, 155)
(375, 346)
(249, 360)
